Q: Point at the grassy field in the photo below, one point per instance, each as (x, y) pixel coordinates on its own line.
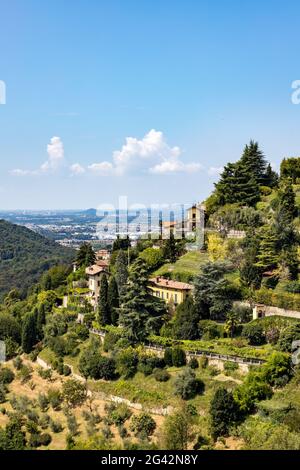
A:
(185, 267)
(150, 393)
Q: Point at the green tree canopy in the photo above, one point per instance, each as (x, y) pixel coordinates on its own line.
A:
(141, 313)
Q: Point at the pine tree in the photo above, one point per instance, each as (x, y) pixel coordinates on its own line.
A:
(287, 202)
(85, 256)
(103, 306)
(121, 273)
(113, 300)
(211, 292)
(140, 313)
(121, 244)
(186, 320)
(250, 273)
(254, 162)
(224, 413)
(268, 255)
(240, 181)
(29, 333)
(271, 179)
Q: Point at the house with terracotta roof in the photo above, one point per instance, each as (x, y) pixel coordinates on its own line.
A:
(169, 290)
(94, 274)
(102, 255)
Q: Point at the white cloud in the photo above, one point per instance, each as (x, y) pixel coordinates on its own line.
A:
(20, 172)
(151, 154)
(102, 169)
(55, 155)
(175, 166)
(55, 160)
(77, 169)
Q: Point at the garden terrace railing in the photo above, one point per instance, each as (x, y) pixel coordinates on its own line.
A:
(197, 353)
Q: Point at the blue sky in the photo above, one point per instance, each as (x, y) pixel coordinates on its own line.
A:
(147, 99)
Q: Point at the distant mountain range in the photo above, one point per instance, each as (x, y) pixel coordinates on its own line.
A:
(25, 255)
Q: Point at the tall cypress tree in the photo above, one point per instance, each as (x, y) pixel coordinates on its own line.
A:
(113, 300)
(40, 321)
(140, 313)
(121, 273)
(29, 333)
(103, 306)
(169, 249)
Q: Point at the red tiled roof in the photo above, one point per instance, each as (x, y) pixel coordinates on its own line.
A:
(168, 283)
(93, 270)
(102, 263)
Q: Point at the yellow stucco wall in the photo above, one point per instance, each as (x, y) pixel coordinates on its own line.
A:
(177, 295)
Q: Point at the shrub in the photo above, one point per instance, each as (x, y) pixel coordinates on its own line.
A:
(223, 412)
(57, 345)
(110, 341)
(243, 313)
(178, 357)
(161, 375)
(107, 368)
(122, 432)
(72, 424)
(168, 357)
(253, 389)
(6, 375)
(209, 329)
(44, 421)
(38, 440)
(56, 426)
(230, 366)
(45, 374)
(127, 361)
(82, 331)
(43, 402)
(45, 439)
(272, 335)
(143, 424)
(3, 392)
(203, 362)
(187, 385)
(120, 414)
(278, 369)
(293, 287)
(67, 370)
(17, 362)
(55, 398)
(148, 363)
(74, 392)
(254, 333)
(194, 364)
(287, 336)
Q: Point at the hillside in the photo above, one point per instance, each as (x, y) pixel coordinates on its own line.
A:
(25, 255)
